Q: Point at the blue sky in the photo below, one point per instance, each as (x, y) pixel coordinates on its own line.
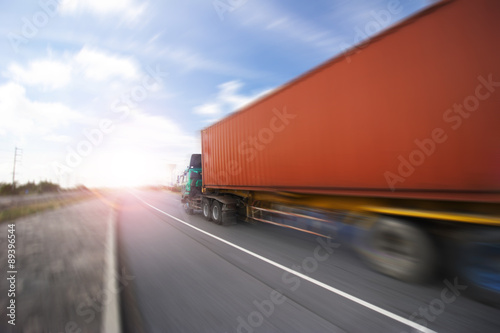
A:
(110, 92)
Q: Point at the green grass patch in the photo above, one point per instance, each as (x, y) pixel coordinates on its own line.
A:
(13, 213)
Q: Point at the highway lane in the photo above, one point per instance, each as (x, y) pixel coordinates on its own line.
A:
(187, 281)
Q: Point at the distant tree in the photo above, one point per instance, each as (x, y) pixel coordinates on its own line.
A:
(29, 188)
(5, 189)
(45, 186)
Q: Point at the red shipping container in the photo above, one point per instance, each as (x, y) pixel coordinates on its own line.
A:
(413, 110)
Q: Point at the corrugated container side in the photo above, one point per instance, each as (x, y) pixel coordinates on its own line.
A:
(350, 124)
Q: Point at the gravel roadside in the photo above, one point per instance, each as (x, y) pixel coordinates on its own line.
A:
(61, 266)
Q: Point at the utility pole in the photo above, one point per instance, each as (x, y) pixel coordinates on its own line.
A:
(17, 152)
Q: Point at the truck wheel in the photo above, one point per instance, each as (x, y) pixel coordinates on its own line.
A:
(399, 249)
(478, 264)
(187, 209)
(216, 212)
(205, 206)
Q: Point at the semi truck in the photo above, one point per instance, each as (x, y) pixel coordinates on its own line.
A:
(393, 145)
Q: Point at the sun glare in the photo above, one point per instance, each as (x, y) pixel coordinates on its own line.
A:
(120, 171)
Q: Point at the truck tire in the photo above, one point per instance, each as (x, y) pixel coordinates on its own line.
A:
(205, 207)
(187, 209)
(398, 249)
(478, 264)
(216, 212)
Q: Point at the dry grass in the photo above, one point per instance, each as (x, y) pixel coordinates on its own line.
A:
(13, 213)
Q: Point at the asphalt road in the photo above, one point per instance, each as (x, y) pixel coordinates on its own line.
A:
(186, 280)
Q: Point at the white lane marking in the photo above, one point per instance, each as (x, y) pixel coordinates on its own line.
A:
(305, 277)
(111, 322)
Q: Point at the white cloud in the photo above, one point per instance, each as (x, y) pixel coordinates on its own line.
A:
(189, 60)
(100, 66)
(276, 19)
(305, 32)
(57, 138)
(143, 130)
(48, 74)
(277, 23)
(128, 9)
(228, 99)
(208, 109)
(155, 37)
(22, 117)
(93, 64)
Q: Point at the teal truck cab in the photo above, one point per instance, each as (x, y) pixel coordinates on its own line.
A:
(191, 185)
